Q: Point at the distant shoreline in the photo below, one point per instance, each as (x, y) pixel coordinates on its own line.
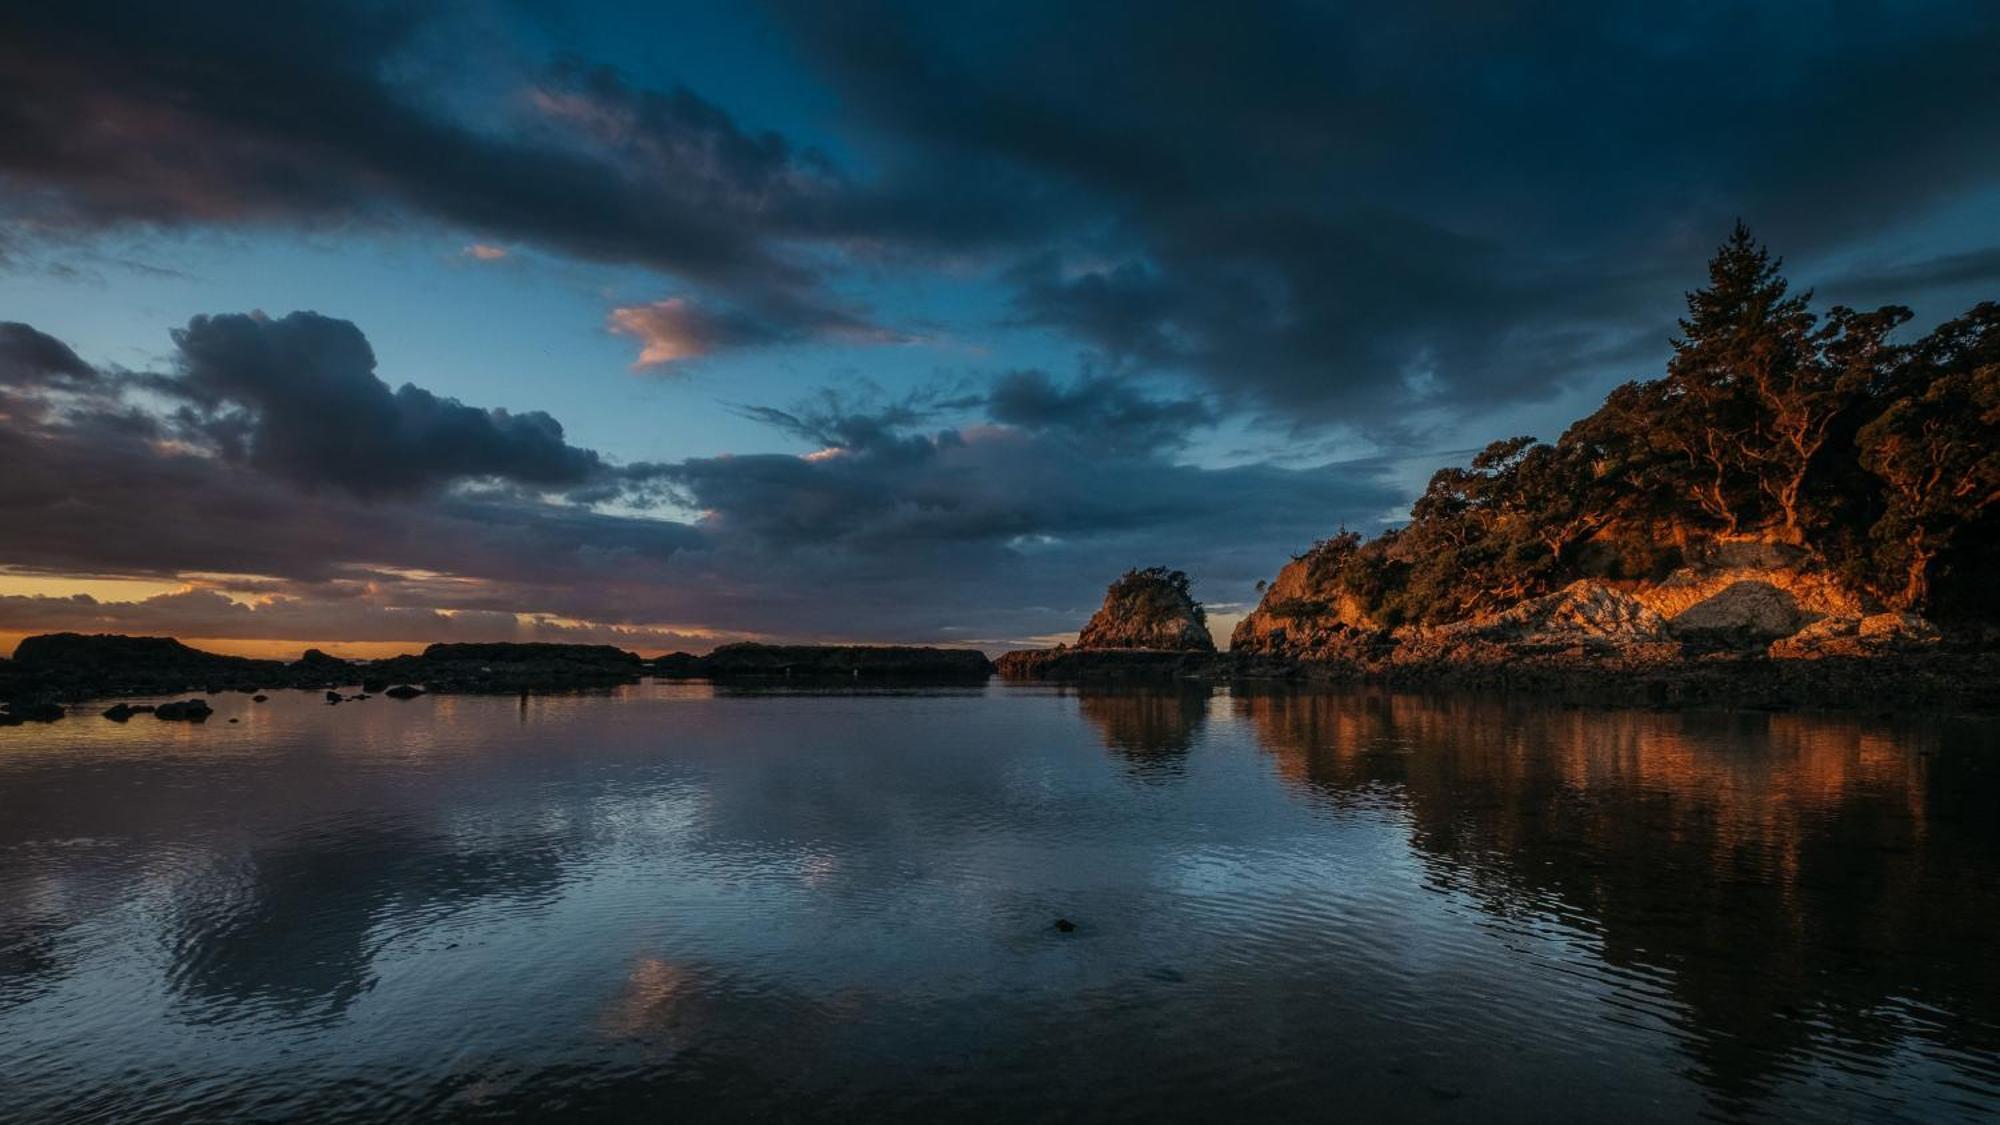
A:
(64, 671)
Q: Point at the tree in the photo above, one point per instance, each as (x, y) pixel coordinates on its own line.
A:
(1937, 449)
(1742, 346)
(1800, 403)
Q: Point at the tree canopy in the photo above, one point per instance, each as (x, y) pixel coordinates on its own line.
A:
(1877, 458)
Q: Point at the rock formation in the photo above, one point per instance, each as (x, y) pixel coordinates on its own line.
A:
(1148, 609)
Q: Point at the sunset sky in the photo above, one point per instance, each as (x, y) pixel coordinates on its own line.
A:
(671, 324)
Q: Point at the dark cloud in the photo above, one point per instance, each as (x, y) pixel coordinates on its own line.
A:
(1332, 213)
(28, 356)
(1099, 410)
(1350, 212)
(298, 396)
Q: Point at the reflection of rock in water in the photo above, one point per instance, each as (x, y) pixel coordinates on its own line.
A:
(31, 957)
(303, 931)
(660, 999)
(1791, 879)
(1152, 728)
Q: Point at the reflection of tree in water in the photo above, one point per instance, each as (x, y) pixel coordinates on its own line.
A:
(304, 931)
(1151, 728)
(1801, 881)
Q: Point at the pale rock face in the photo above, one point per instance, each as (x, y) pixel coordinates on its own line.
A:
(1582, 610)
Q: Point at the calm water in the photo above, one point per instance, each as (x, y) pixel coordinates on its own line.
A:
(677, 903)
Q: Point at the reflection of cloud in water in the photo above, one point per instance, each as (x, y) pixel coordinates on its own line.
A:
(1790, 880)
(654, 1002)
(301, 931)
(1152, 728)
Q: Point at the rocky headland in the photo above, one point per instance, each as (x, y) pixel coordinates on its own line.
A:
(1803, 510)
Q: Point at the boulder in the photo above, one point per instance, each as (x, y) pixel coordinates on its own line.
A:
(1748, 610)
(1149, 609)
(403, 691)
(187, 710)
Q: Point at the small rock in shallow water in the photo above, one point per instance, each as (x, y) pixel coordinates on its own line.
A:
(188, 710)
(333, 697)
(260, 699)
(403, 691)
(1065, 926)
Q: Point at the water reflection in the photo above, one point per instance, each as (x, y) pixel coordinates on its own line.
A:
(1811, 890)
(725, 903)
(297, 927)
(1151, 729)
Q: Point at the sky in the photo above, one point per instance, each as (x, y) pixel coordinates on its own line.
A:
(665, 325)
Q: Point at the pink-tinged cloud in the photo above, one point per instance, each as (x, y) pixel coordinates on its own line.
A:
(676, 330)
(668, 331)
(485, 252)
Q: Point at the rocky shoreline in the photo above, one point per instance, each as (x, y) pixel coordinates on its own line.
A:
(1755, 626)
(1957, 681)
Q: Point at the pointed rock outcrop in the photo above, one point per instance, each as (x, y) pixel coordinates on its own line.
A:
(1149, 609)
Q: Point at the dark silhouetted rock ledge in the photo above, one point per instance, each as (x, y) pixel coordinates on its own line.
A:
(753, 660)
(72, 666)
(506, 668)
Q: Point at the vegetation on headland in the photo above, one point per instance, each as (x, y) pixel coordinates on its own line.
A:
(1877, 458)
